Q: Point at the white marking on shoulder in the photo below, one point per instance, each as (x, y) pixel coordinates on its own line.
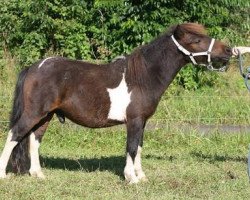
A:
(120, 99)
(40, 65)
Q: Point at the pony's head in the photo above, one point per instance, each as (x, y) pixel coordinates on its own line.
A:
(192, 40)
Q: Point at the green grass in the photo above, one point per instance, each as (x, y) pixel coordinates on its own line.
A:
(180, 162)
(88, 164)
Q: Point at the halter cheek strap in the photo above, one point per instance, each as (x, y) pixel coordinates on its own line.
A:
(204, 53)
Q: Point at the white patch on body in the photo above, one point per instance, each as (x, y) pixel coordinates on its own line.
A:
(40, 65)
(35, 167)
(9, 146)
(120, 99)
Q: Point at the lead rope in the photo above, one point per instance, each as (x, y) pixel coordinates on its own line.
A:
(241, 67)
(248, 163)
(246, 80)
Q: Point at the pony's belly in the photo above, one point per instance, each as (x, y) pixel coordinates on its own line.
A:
(119, 101)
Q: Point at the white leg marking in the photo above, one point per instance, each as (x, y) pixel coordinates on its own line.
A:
(129, 171)
(120, 99)
(9, 146)
(138, 168)
(35, 167)
(40, 65)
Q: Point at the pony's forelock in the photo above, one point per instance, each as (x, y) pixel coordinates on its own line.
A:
(193, 28)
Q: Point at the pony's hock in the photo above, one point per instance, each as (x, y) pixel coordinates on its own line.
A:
(125, 91)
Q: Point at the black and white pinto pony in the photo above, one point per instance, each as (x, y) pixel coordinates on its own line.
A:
(125, 91)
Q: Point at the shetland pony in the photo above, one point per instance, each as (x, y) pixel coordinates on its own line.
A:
(125, 91)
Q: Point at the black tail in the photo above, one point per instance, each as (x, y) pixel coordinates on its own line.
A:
(19, 158)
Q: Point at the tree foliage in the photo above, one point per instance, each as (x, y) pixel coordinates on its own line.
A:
(103, 29)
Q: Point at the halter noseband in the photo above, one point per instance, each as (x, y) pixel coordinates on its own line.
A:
(204, 53)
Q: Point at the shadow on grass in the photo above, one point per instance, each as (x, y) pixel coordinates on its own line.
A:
(114, 164)
(217, 158)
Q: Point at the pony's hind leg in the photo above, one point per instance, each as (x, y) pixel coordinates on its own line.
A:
(35, 167)
(16, 136)
(9, 146)
(35, 139)
(16, 143)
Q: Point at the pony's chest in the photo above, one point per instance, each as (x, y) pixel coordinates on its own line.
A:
(119, 101)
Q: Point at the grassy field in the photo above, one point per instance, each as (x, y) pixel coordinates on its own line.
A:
(88, 164)
(180, 162)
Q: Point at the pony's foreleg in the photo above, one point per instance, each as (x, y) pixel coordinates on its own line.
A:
(35, 167)
(138, 167)
(9, 146)
(133, 170)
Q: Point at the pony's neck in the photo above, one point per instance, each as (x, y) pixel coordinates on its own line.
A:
(163, 61)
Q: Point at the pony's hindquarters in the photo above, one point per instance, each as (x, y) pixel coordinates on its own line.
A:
(28, 122)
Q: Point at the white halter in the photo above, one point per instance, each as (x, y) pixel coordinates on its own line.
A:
(204, 53)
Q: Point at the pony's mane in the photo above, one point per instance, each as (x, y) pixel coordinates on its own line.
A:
(141, 57)
(193, 28)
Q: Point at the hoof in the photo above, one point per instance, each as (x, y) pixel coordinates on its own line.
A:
(141, 176)
(134, 181)
(131, 179)
(143, 179)
(3, 175)
(37, 174)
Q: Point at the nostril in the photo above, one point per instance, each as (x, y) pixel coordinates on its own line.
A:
(228, 50)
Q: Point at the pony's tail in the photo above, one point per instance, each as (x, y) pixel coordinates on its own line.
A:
(19, 158)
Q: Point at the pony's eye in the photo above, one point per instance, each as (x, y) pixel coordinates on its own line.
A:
(197, 41)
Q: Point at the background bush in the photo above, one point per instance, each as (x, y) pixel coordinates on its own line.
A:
(101, 30)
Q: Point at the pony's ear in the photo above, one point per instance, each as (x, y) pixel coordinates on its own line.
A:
(179, 33)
